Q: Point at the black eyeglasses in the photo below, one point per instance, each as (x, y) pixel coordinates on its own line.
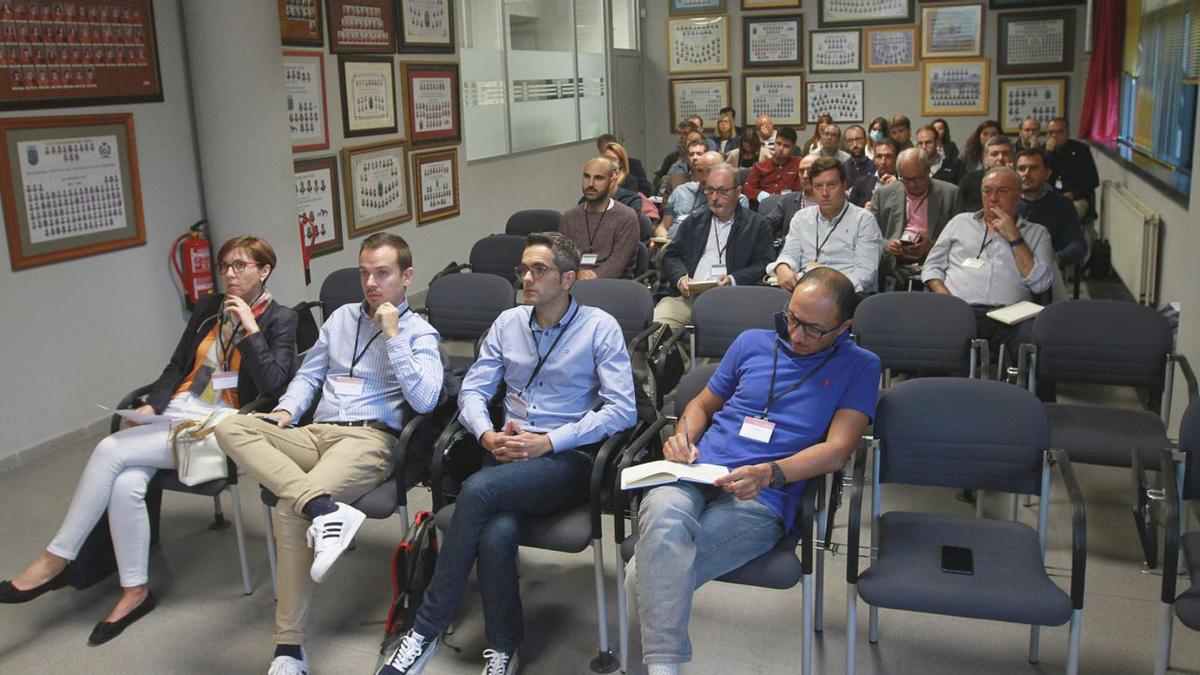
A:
(238, 266)
(537, 271)
(812, 330)
(724, 192)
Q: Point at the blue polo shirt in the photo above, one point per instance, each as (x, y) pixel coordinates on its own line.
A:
(847, 379)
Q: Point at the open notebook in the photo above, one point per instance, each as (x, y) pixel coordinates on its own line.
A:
(663, 472)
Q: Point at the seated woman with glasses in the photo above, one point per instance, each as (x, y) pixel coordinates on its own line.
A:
(235, 347)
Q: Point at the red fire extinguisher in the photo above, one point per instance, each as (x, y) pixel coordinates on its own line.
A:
(191, 257)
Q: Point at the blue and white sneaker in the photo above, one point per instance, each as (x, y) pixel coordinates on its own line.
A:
(411, 654)
(499, 663)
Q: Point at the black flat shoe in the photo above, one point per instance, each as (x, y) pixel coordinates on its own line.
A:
(11, 595)
(107, 630)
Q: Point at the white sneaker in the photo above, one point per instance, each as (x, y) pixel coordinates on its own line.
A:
(410, 655)
(286, 665)
(330, 535)
(499, 663)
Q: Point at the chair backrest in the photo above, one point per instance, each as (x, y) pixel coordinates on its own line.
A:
(464, 306)
(1102, 342)
(912, 332)
(629, 302)
(307, 330)
(341, 287)
(1189, 443)
(691, 385)
(641, 264)
(498, 254)
(955, 432)
(723, 313)
(766, 205)
(645, 227)
(523, 223)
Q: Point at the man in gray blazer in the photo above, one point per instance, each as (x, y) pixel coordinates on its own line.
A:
(911, 213)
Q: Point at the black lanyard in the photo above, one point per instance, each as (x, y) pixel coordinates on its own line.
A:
(916, 206)
(832, 229)
(587, 223)
(542, 359)
(720, 249)
(358, 332)
(808, 376)
(226, 351)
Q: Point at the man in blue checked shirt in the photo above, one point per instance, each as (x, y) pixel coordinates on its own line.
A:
(369, 360)
(569, 386)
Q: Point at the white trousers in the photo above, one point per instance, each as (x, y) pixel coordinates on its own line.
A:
(116, 478)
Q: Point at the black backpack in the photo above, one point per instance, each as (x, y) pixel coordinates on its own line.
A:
(412, 568)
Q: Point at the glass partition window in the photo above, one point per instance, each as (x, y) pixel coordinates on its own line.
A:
(534, 73)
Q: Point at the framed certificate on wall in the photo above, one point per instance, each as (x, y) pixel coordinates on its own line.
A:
(317, 209)
(435, 176)
(780, 96)
(773, 41)
(433, 103)
(703, 96)
(304, 87)
(377, 192)
(698, 45)
(368, 88)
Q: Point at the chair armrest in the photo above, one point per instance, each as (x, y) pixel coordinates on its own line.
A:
(1024, 356)
(1185, 367)
(127, 402)
(808, 512)
(643, 336)
(441, 450)
(449, 269)
(621, 500)
(1143, 514)
(260, 404)
(400, 452)
(1171, 522)
(854, 517)
(1078, 526)
(604, 465)
(985, 357)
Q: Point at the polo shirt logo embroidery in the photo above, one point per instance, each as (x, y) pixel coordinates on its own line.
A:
(827, 383)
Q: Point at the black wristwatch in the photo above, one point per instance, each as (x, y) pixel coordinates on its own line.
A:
(778, 480)
(1017, 242)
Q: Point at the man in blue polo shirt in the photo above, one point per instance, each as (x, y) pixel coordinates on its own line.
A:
(777, 412)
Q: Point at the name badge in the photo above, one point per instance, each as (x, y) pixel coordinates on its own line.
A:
(757, 429)
(812, 266)
(345, 385)
(588, 259)
(224, 380)
(717, 271)
(517, 406)
(974, 263)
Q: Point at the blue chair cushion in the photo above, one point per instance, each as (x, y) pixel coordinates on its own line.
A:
(1099, 435)
(567, 532)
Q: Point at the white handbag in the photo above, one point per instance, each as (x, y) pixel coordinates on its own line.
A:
(198, 457)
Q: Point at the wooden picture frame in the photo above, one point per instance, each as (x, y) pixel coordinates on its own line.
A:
(775, 41)
(1035, 42)
(47, 62)
(300, 23)
(368, 95)
(1023, 4)
(835, 51)
(703, 96)
(307, 107)
(849, 14)
(1044, 98)
(841, 99)
(952, 31)
(378, 195)
(318, 212)
(71, 187)
(955, 87)
(434, 109)
(757, 5)
(698, 44)
(890, 49)
(435, 182)
(361, 26)
(780, 95)
(421, 30)
(685, 7)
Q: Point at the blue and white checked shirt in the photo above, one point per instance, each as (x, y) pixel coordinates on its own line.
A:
(407, 367)
(584, 391)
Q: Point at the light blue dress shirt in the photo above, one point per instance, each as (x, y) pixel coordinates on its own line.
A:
(583, 392)
(997, 281)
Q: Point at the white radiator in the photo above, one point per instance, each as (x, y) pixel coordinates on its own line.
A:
(1131, 228)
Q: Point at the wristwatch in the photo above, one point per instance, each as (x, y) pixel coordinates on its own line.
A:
(1017, 242)
(778, 480)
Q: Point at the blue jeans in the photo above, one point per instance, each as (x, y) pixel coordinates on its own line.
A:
(689, 534)
(493, 506)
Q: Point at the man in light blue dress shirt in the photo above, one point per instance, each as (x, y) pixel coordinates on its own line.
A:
(568, 386)
(369, 360)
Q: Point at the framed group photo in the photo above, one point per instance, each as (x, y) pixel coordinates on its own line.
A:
(377, 188)
(70, 187)
(841, 100)
(318, 212)
(1040, 98)
(1035, 42)
(835, 51)
(954, 87)
(952, 31)
(435, 178)
(434, 115)
(773, 41)
(368, 88)
(778, 95)
(698, 45)
(300, 23)
(304, 87)
(856, 13)
(425, 26)
(696, 7)
(1021, 4)
(703, 96)
(752, 5)
(362, 26)
(890, 49)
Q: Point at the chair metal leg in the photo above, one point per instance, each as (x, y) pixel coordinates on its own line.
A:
(1012, 507)
(807, 625)
(1073, 645)
(622, 616)
(604, 662)
(979, 503)
(403, 511)
(240, 533)
(271, 552)
(819, 593)
(1166, 624)
(851, 627)
(1035, 642)
(219, 522)
(873, 628)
